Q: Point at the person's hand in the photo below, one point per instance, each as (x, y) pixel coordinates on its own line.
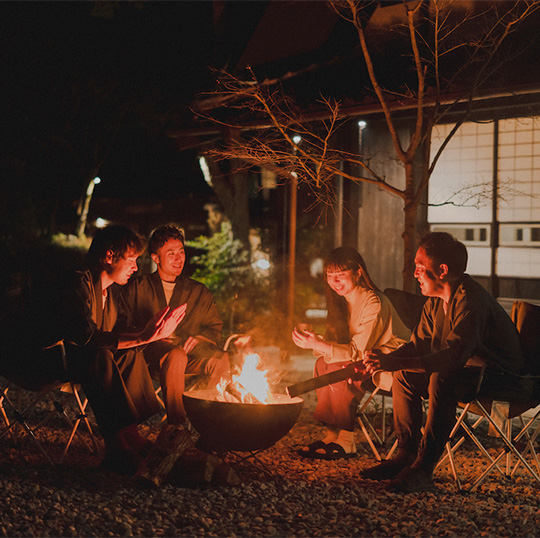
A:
(190, 343)
(377, 360)
(163, 324)
(305, 339)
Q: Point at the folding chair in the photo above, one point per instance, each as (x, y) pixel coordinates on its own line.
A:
(498, 399)
(408, 307)
(22, 403)
(368, 427)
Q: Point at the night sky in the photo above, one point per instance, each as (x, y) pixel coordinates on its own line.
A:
(104, 81)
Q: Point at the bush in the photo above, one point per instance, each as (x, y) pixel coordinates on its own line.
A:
(241, 292)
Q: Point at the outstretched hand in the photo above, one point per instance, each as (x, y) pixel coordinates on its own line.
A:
(163, 324)
(305, 339)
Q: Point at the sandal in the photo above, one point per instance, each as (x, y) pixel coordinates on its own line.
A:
(311, 451)
(334, 451)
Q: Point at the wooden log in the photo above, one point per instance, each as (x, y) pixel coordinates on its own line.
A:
(233, 391)
(194, 468)
(170, 444)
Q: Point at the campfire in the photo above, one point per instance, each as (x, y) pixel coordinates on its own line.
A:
(251, 385)
(242, 413)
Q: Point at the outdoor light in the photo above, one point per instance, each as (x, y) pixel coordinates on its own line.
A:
(262, 264)
(81, 225)
(297, 139)
(362, 124)
(91, 185)
(205, 170)
(101, 223)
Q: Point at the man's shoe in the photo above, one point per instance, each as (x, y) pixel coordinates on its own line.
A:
(411, 480)
(388, 469)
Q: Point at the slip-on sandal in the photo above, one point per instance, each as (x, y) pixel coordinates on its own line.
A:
(311, 451)
(334, 451)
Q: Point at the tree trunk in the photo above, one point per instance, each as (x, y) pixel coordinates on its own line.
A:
(409, 229)
(231, 189)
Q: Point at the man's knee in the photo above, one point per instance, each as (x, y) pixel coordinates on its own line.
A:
(176, 359)
(218, 365)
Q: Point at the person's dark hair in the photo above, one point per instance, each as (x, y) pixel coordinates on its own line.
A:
(349, 259)
(337, 321)
(116, 238)
(162, 234)
(441, 247)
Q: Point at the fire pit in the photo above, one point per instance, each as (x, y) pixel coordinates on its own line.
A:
(240, 427)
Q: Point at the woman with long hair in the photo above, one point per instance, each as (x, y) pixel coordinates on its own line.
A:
(360, 318)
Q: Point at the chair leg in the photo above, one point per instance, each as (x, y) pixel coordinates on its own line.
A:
(8, 429)
(365, 424)
(81, 417)
(529, 443)
(20, 419)
(510, 446)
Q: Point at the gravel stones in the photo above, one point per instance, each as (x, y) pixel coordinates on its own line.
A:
(298, 498)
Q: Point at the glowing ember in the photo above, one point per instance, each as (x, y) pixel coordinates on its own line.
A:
(250, 386)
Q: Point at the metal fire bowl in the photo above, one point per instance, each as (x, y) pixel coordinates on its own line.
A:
(240, 427)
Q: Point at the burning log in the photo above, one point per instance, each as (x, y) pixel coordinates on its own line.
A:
(237, 394)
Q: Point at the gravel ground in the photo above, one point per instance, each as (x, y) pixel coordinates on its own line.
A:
(297, 497)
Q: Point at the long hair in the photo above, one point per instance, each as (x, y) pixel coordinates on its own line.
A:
(337, 321)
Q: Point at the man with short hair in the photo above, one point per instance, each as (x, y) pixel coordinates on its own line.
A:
(460, 320)
(103, 359)
(192, 350)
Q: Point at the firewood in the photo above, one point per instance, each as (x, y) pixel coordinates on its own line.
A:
(170, 444)
(233, 391)
(194, 468)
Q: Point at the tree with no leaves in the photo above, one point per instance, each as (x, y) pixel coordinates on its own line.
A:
(453, 52)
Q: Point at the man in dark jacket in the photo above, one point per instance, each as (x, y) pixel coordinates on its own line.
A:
(104, 360)
(191, 354)
(460, 320)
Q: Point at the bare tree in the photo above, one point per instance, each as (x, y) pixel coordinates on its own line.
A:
(454, 51)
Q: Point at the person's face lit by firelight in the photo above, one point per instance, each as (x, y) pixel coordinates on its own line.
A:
(342, 282)
(170, 259)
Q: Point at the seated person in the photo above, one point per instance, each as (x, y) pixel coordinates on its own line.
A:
(113, 374)
(360, 318)
(460, 320)
(191, 353)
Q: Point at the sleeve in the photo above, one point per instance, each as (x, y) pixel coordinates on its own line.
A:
(79, 324)
(464, 338)
(211, 326)
(367, 324)
(421, 338)
(126, 307)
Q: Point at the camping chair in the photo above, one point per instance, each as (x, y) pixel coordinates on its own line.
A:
(408, 307)
(498, 398)
(23, 402)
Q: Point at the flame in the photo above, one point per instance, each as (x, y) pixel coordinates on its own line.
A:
(251, 382)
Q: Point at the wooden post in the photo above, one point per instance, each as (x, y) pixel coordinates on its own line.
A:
(292, 251)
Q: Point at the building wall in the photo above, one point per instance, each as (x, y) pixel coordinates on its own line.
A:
(461, 197)
(380, 214)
